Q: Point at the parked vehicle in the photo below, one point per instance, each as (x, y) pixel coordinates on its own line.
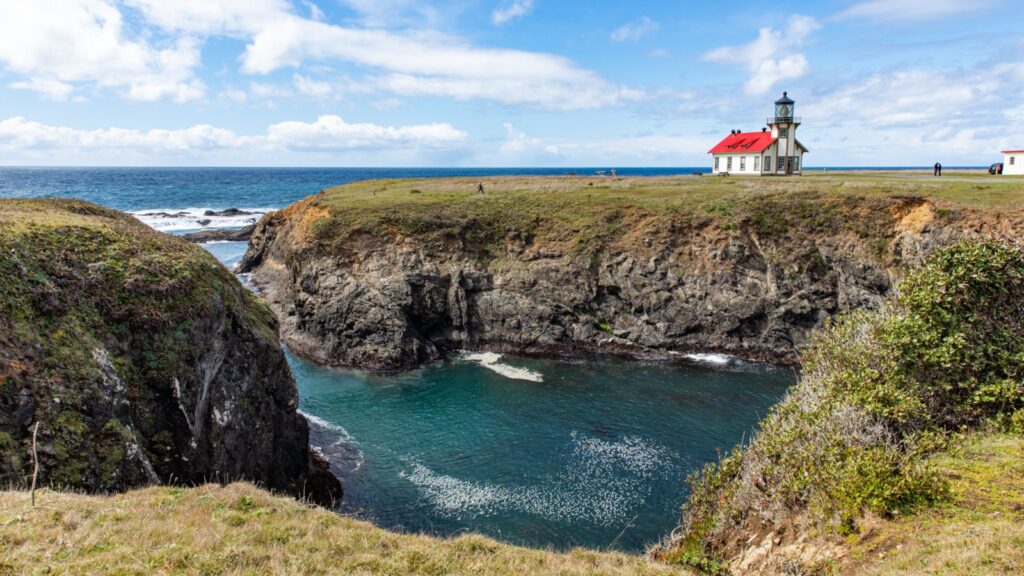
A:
(996, 168)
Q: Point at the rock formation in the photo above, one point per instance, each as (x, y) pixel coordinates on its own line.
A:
(142, 359)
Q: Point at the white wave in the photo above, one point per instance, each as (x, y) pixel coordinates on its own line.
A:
(177, 220)
(492, 361)
(708, 358)
(324, 424)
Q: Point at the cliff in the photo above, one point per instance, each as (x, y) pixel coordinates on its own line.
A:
(389, 274)
(907, 424)
(142, 360)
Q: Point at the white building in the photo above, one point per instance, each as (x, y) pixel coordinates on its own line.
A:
(770, 152)
(1013, 162)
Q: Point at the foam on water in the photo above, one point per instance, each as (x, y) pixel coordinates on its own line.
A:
(178, 220)
(492, 361)
(709, 358)
(324, 424)
(341, 449)
(602, 482)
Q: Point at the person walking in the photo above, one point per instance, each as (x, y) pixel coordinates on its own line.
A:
(480, 188)
(938, 169)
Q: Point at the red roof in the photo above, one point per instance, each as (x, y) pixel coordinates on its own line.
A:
(1013, 151)
(744, 142)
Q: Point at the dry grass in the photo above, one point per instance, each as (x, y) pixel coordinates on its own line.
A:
(240, 529)
(980, 532)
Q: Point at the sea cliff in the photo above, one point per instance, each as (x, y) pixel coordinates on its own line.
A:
(390, 274)
(141, 360)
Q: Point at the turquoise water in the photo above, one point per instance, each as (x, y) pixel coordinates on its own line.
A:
(543, 453)
(547, 453)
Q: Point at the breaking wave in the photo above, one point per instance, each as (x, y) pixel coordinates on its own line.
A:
(334, 443)
(492, 361)
(174, 220)
(708, 358)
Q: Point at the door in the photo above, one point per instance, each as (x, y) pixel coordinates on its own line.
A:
(789, 166)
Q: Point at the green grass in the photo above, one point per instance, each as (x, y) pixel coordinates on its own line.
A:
(584, 214)
(978, 531)
(239, 529)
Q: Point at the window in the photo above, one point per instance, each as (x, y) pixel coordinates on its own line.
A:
(717, 158)
(743, 163)
(784, 132)
(1012, 158)
(757, 162)
(796, 163)
(767, 163)
(728, 163)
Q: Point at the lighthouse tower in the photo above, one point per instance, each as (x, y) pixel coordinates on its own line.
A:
(788, 151)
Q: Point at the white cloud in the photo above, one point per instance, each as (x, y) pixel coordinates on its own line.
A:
(412, 62)
(18, 134)
(516, 9)
(633, 31)
(331, 132)
(576, 92)
(917, 117)
(659, 53)
(891, 10)
(772, 57)
(57, 44)
(313, 88)
(519, 148)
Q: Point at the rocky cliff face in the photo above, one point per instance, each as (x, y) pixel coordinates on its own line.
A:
(142, 360)
(750, 280)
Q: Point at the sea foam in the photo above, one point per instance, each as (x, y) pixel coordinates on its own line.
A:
(492, 361)
(178, 220)
(708, 358)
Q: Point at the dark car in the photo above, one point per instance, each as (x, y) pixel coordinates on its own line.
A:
(996, 168)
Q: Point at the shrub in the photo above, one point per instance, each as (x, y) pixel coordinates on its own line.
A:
(881, 391)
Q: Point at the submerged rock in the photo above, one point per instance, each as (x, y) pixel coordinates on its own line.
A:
(142, 360)
(219, 235)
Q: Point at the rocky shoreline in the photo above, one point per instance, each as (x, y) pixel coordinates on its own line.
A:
(672, 285)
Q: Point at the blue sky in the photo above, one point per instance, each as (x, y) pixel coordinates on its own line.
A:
(503, 82)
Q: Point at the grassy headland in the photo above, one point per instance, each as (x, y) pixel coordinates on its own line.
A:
(587, 214)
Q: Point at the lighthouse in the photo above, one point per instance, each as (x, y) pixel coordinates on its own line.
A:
(773, 151)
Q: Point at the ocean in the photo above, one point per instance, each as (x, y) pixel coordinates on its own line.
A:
(540, 452)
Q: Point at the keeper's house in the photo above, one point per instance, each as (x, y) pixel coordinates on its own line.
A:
(774, 151)
(1013, 162)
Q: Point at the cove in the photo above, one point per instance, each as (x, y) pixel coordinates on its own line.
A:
(542, 453)
(545, 453)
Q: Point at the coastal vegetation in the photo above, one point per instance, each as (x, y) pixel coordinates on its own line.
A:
(587, 214)
(140, 358)
(886, 402)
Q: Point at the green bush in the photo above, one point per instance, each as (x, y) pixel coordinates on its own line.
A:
(881, 391)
